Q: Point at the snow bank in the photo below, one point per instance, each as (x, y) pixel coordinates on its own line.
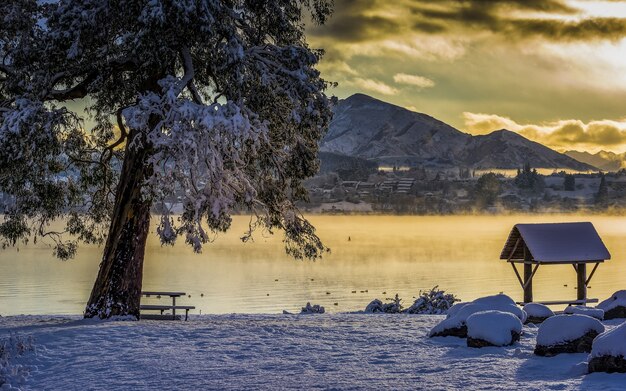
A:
(611, 343)
(537, 310)
(582, 310)
(495, 327)
(277, 352)
(12, 348)
(560, 329)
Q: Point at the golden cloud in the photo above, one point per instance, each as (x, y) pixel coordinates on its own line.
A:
(564, 134)
(413, 80)
(374, 86)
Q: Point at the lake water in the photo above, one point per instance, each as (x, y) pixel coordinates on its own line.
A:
(376, 254)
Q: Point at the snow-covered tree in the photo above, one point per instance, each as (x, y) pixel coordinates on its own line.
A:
(216, 103)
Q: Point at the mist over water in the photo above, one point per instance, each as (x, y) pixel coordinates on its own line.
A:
(392, 254)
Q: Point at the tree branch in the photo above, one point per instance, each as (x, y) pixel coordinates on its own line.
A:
(81, 89)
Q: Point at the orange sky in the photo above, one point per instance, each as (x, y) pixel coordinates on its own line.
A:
(552, 70)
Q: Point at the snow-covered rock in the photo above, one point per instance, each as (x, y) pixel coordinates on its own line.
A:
(615, 306)
(495, 300)
(312, 309)
(567, 334)
(608, 353)
(492, 328)
(537, 312)
(582, 310)
(376, 306)
(454, 324)
(456, 308)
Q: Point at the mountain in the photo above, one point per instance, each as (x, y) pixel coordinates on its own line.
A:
(372, 129)
(607, 161)
(506, 149)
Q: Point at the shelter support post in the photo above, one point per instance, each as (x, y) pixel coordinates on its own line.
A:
(581, 281)
(528, 276)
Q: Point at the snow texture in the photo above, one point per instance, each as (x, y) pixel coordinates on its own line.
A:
(494, 327)
(610, 343)
(293, 352)
(582, 310)
(564, 328)
(617, 299)
(459, 313)
(537, 310)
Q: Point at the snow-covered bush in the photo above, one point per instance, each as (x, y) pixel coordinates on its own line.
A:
(492, 328)
(582, 310)
(455, 323)
(11, 348)
(434, 301)
(537, 312)
(608, 353)
(393, 307)
(567, 334)
(615, 306)
(312, 309)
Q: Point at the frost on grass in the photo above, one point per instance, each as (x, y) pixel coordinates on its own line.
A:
(12, 348)
(493, 328)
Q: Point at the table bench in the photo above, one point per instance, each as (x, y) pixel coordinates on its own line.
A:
(162, 308)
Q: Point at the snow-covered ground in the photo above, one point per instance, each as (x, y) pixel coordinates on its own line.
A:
(339, 351)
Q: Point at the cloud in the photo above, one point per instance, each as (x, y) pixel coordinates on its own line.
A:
(374, 86)
(564, 134)
(556, 20)
(413, 80)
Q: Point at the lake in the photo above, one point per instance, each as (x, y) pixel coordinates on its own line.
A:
(370, 255)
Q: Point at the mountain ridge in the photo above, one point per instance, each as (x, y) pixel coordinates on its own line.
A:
(604, 160)
(369, 128)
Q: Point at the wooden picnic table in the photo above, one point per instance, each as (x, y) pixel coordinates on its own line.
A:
(162, 308)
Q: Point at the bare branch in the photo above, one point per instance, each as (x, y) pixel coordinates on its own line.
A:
(189, 71)
(194, 93)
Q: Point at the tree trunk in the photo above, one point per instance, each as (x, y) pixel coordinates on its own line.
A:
(117, 290)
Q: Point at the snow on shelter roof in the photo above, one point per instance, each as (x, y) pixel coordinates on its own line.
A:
(556, 242)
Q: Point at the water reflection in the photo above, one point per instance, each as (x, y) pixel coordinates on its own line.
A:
(384, 254)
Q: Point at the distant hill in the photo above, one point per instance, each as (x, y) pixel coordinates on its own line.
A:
(607, 161)
(375, 130)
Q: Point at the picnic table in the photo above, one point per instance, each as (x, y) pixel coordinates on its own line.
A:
(162, 308)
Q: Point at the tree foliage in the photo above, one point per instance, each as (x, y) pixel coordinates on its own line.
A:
(529, 179)
(569, 183)
(222, 96)
(487, 189)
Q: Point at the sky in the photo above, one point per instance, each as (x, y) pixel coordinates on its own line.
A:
(552, 70)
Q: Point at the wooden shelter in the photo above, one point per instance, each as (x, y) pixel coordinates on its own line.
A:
(577, 244)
